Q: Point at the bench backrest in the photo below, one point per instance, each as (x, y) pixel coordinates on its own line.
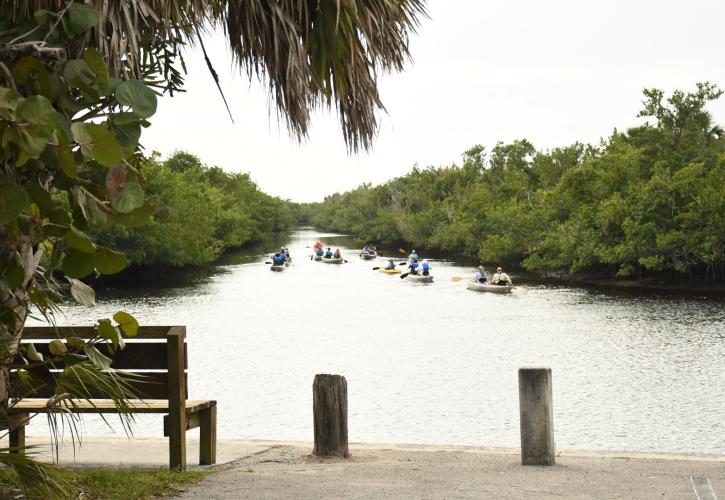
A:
(158, 354)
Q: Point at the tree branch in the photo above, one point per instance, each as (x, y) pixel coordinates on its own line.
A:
(11, 53)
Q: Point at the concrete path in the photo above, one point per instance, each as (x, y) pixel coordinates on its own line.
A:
(286, 470)
(119, 452)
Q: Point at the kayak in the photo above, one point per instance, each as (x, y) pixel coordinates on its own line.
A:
(419, 278)
(390, 271)
(275, 267)
(487, 287)
(332, 261)
(368, 256)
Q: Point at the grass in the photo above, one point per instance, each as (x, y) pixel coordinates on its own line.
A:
(111, 484)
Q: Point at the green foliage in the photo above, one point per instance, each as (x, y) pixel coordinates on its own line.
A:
(108, 484)
(200, 211)
(648, 202)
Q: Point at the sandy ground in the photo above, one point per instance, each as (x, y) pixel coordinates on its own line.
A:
(380, 471)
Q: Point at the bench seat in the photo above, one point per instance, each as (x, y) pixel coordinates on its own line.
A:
(38, 405)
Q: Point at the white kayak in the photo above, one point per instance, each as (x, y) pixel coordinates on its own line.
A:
(419, 278)
(487, 287)
(368, 256)
(277, 268)
(332, 260)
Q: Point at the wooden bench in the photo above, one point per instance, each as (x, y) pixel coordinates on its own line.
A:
(159, 355)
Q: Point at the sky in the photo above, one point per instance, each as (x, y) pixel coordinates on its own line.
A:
(552, 72)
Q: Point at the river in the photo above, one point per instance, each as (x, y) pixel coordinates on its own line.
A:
(434, 363)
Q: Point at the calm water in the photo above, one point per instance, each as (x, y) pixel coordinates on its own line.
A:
(436, 363)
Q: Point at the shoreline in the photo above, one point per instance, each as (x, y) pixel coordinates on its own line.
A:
(94, 449)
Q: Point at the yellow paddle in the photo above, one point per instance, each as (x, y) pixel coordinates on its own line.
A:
(458, 278)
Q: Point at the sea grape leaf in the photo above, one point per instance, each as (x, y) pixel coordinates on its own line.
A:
(82, 293)
(127, 323)
(138, 96)
(110, 262)
(110, 332)
(77, 264)
(129, 197)
(79, 240)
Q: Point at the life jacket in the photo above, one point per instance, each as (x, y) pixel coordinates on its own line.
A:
(426, 266)
(278, 259)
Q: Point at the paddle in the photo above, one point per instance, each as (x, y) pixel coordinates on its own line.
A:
(267, 262)
(402, 263)
(403, 276)
(458, 278)
(375, 268)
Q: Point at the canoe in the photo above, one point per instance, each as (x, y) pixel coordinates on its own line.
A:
(487, 287)
(332, 261)
(274, 267)
(390, 271)
(419, 278)
(368, 256)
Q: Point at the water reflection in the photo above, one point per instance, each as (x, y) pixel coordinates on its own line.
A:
(437, 363)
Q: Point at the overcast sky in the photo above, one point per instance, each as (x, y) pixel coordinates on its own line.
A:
(553, 72)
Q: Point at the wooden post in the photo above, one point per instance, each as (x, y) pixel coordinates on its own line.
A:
(17, 433)
(329, 408)
(177, 398)
(207, 436)
(537, 416)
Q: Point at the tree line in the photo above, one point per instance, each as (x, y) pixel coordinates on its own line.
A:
(198, 212)
(648, 202)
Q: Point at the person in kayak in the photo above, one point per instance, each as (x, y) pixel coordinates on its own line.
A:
(288, 255)
(278, 259)
(501, 278)
(318, 245)
(367, 248)
(328, 253)
(413, 255)
(337, 254)
(426, 267)
(391, 264)
(480, 276)
(414, 267)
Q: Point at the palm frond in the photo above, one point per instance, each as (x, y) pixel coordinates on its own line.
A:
(310, 53)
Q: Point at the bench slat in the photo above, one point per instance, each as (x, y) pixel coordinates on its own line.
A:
(151, 385)
(84, 332)
(135, 356)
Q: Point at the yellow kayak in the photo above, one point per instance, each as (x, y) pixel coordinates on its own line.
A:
(390, 271)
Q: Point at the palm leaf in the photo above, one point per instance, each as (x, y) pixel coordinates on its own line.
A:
(310, 53)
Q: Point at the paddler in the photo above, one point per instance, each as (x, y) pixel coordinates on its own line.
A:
(414, 267)
(413, 256)
(337, 254)
(426, 267)
(501, 278)
(480, 276)
(391, 264)
(328, 253)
